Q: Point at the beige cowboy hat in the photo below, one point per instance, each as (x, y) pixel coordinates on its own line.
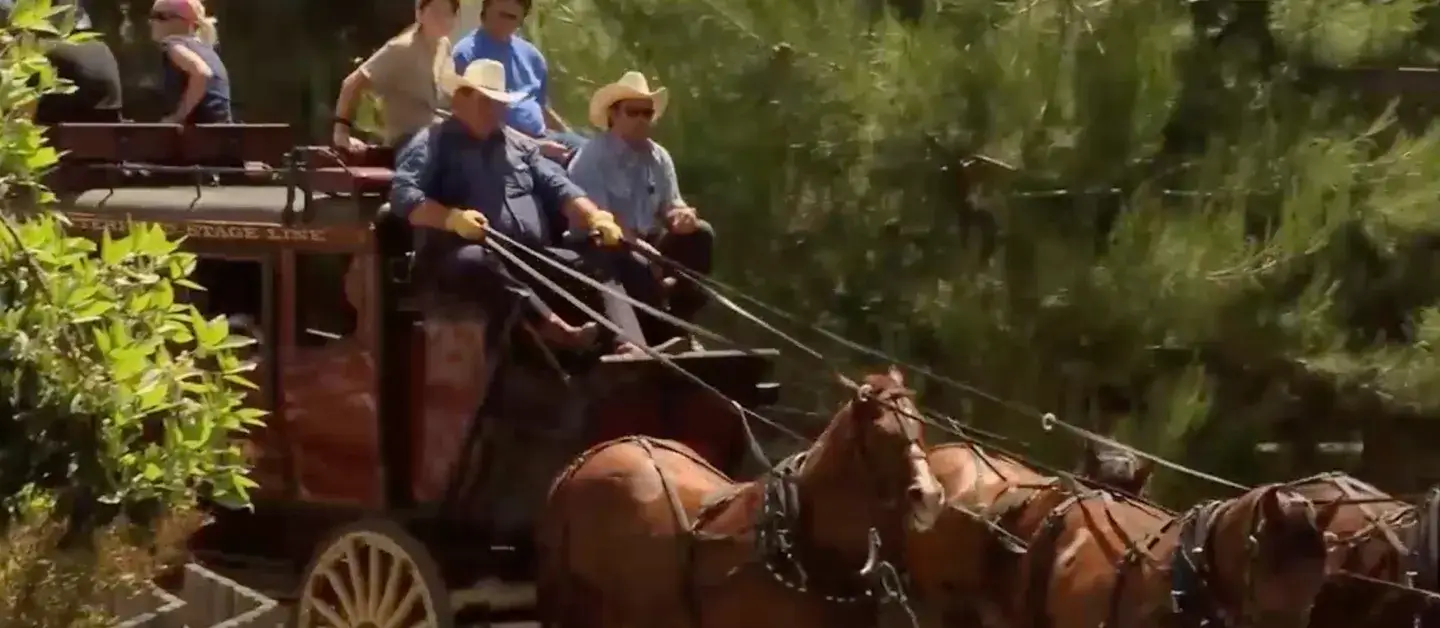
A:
(631, 86)
(486, 76)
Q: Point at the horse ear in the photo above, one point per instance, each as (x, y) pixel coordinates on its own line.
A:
(1327, 515)
(893, 372)
(1272, 506)
(1143, 470)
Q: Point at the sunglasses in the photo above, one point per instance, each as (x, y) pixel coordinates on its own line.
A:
(161, 16)
(638, 113)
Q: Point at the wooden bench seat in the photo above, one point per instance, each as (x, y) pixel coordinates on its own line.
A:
(336, 174)
(351, 180)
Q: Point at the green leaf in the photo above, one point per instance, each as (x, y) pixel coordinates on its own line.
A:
(210, 334)
(93, 311)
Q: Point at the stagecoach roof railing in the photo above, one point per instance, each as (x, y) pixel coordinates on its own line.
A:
(292, 174)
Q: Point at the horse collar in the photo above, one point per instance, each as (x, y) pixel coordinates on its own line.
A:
(1192, 602)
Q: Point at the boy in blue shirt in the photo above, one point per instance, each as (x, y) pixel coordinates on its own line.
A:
(525, 72)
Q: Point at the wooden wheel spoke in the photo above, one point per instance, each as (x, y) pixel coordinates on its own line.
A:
(337, 585)
(373, 593)
(392, 587)
(330, 615)
(357, 582)
(406, 605)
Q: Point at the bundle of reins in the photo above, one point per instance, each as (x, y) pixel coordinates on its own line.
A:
(507, 249)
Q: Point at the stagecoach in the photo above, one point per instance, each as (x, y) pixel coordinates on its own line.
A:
(408, 442)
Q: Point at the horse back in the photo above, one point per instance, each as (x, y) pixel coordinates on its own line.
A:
(1071, 575)
(965, 468)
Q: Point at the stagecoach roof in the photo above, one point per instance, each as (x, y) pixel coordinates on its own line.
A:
(238, 215)
(262, 204)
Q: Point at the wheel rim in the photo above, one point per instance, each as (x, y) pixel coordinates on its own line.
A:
(366, 580)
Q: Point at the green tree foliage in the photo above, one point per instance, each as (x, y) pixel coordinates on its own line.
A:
(1201, 246)
(116, 398)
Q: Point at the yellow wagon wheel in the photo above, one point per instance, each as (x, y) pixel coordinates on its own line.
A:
(373, 574)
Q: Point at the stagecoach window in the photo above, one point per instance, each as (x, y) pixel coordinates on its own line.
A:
(323, 309)
(233, 288)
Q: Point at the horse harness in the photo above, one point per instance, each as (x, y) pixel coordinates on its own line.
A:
(777, 547)
(1046, 543)
(1409, 563)
(1193, 603)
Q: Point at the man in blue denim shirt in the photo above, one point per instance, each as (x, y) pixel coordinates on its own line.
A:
(458, 178)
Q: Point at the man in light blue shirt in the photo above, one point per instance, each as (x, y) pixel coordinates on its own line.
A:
(525, 72)
(633, 176)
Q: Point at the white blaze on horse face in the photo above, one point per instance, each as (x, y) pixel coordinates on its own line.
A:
(927, 495)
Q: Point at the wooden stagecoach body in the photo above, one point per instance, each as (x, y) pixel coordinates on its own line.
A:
(378, 417)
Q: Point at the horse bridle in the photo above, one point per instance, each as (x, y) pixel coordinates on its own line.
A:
(780, 510)
(1192, 599)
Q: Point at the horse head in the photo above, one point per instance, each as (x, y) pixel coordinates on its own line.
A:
(886, 434)
(1116, 468)
(1370, 535)
(1258, 559)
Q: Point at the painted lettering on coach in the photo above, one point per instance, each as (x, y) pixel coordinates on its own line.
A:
(212, 230)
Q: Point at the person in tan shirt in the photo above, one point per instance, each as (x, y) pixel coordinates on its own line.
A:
(404, 74)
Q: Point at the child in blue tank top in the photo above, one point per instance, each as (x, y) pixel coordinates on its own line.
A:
(194, 81)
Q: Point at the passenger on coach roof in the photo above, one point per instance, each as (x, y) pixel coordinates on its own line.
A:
(460, 178)
(89, 65)
(403, 74)
(194, 81)
(525, 71)
(632, 175)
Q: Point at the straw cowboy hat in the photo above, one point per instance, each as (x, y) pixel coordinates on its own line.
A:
(486, 76)
(631, 86)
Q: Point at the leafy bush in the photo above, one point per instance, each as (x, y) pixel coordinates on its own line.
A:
(115, 398)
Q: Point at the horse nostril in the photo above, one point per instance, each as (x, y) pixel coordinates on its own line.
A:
(916, 494)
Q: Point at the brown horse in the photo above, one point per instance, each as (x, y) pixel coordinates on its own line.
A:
(962, 567)
(641, 532)
(1369, 533)
(1255, 560)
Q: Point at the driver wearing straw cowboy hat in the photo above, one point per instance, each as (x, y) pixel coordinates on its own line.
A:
(626, 171)
(460, 178)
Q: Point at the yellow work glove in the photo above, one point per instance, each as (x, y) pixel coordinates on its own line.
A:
(467, 223)
(603, 223)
